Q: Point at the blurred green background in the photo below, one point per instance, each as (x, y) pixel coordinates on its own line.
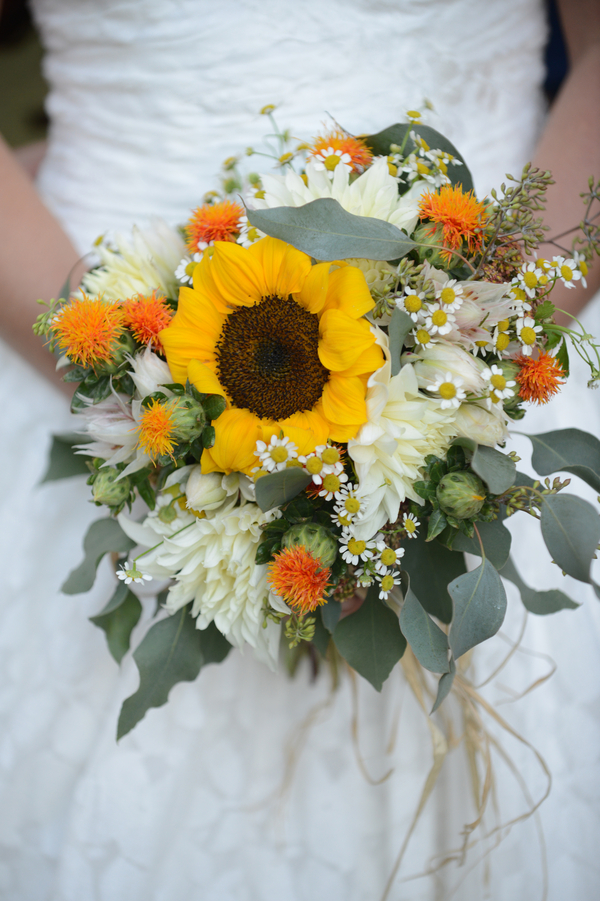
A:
(22, 86)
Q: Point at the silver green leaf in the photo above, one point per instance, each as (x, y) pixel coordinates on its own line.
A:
(429, 644)
(118, 619)
(103, 537)
(172, 651)
(539, 602)
(370, 640)
(495, 468)
(567, 450)
(496, 540)
(63, 462)
(571, 531)
(278, 488)
(431, 566)
(324, 230)
(444, 685)
(479, 607)
(399, 327)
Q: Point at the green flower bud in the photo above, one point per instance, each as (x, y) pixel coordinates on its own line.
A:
(428, 234)
(461, 494)
(188, 417)
(316, 539)
(123, 346)
(106, 489)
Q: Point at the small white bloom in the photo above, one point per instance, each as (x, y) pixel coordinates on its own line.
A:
(388, 557)
(449, 387)
(423, 337)
(185, 271)
(529, 278)
(132, 575)
(387, 583)
(324, 460)
(275, 456)
(499, 385)
(349, 505)
(566, 270)
(450, 296)
(330, 159)
(410, 523)
(354, 549)
(582, 266)
(332, 486)
(527, 332)
(438, 321)
(413, 304)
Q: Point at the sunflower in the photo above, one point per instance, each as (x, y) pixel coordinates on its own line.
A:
(283, 341)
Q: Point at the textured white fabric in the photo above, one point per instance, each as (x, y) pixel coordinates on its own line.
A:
(147, 97)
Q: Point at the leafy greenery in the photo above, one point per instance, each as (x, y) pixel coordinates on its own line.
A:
(479, 607)
(103, 537)
(429, 644)
(64, 462)
(118, 619)
(538, 602)
(567, 450)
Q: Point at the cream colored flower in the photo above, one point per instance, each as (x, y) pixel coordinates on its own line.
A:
(137, 265)
(483, 426)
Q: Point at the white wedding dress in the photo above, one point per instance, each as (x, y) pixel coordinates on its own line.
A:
(147, 98)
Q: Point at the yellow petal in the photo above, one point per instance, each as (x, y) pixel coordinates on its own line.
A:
(369, 361)
(348, 291)
(343, 433)
(238, 277)
(284, 269)
(306, 430)
(204, 284)
(342, 339)
(196, 311)
(314, 291)
(204, 379)
(344, 401)
(182, 345)
(236, 434)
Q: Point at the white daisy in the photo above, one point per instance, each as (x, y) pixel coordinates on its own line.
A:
(527, 332)
(499, 385)
(566, 270)
(387, 583)
(423, 337)
(330, 159)
(355, 549)
(450, 296)
(132, 575)
(185, 271)
(349, 504)
(413, 304)
(275, 456)
(449, 387)
(332, 485)
(581, 263)
(410, 523)
(438, 321)
(388, 557)
(529, 278)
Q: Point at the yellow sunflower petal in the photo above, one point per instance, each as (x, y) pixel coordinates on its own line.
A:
(306, 430)
(348, 291)
(342, 339)
(204, 284)
(369, 361)
(236, 434)
(237, 275)
(183, 345)
(344, 400)
(314, 291)
(196, 311)
(343, 433)
(284, 269)
(204, 379)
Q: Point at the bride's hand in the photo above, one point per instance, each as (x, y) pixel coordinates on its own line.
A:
(354, 603)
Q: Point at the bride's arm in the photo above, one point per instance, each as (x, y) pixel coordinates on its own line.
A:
(35, 258)
(570, 143)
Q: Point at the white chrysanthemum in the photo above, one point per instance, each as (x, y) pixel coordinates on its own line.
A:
(213, 564)
(389, 451)
(373, 194)
(137, 265)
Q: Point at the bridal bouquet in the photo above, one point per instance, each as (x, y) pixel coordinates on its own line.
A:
(306, 410)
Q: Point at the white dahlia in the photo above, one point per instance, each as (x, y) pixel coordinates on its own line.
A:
(137, 265)
(213, 564)
(389, 451)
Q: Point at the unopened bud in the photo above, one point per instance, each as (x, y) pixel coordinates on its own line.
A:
(107, 490)
(317, 540)
(461, 494)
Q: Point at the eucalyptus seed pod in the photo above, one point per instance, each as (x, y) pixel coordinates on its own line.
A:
(317, 540)
(461, 494)
(189, 417)
(107, 490)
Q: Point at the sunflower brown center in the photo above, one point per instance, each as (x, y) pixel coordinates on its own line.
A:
(267, 358)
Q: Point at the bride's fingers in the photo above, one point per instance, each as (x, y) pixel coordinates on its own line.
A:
(352, 604)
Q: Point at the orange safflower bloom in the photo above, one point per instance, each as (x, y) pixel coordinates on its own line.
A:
(88, 328)
(459, 213)
(146, 316)
(213, 222)
(339, 141)
(539, 379)
(157, 429)
(298, 577)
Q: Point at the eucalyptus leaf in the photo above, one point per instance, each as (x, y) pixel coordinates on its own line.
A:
(496, 469)
(431, 566)
(395, 134)
(567, 450)
(562, 357)
(437, 523)
(63, 461)
(103, 537)
(173, 650)
(321, 638)
(496, 540)
(429, 644)
(278, 488)
(444, 685)
(324, 230)
(539, 602)
(370, 640)
(118, 619)
(571, 531)
(330, 614)
(479, 607)
(399, 327)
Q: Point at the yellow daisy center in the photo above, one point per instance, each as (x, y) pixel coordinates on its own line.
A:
(267, 358)
(314, 465)
(422, 336)
(566, 272)
(447, 390)
(498, 382)
(439, 318)
(503, 325)
(412, 303)
(527, 335)
(530, 279)
(332, 161)
(388, 557)
(330, 456)
(352, 505)
(331, 482)
(357, 547)
(448, 295)
(344, 520)
(387, 583)
(583, 267)
(410, 526)
(519, 294)
(502, 341)
(279, 454)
